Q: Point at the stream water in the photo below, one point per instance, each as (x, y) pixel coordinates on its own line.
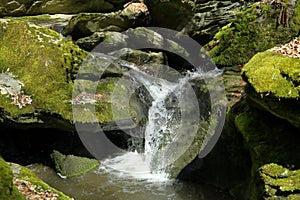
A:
(106, 184)
(173, 124)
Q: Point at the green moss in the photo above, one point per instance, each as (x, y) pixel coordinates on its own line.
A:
(118, 101)
(7, 189)
(280, 181)
(254, 30)
(269, 139)
(71, 166)
(274, 84)
(269, 72)
(44, 62)
(27, 175)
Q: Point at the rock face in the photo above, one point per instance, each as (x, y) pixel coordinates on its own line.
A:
(266, 120)
(255, 30)
(199, 19)
(31, 7)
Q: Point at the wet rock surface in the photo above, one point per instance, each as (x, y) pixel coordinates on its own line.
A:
(263, 117)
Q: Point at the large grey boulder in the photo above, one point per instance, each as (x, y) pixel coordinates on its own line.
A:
(200, 19)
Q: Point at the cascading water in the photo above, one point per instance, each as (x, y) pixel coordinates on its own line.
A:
(174, 107)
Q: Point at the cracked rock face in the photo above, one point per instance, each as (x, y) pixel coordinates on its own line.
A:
(200, 19)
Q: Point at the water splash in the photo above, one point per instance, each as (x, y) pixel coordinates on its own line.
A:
(174, 106)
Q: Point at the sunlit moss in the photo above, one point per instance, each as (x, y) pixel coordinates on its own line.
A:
(278, 180)
(270, 72)
(44, 62)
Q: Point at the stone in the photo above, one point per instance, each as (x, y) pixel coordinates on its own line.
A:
(272, 84)
(254, 30)
(139, 57)
(45, 64)
(85, 24)
(279, 182)
(273, 74)
(199, 19)
(69, 165)
(90, 42)
(234, 158)
(54, 21)
(31, 7)
(268, 139)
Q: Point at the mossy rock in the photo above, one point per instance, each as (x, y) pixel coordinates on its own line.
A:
(7, 189)
(254, 30)
(280, 182)
(274, 84)
(275, 74)
(45, 63)
(268, 138)
(229, 153)
(26, 174)
(70, 165)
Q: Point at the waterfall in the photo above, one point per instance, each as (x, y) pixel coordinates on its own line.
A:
(174, 113)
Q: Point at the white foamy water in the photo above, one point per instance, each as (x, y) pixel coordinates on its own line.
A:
(132, 164)
(174, 105)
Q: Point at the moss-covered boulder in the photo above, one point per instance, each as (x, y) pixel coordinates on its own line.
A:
(255, 29)
(70, 165)
(268, 139)
(30, 185)
(280, 182)
(31, 7)
(7, 189)
(274, 84)
(44, 64)
(270, 73)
